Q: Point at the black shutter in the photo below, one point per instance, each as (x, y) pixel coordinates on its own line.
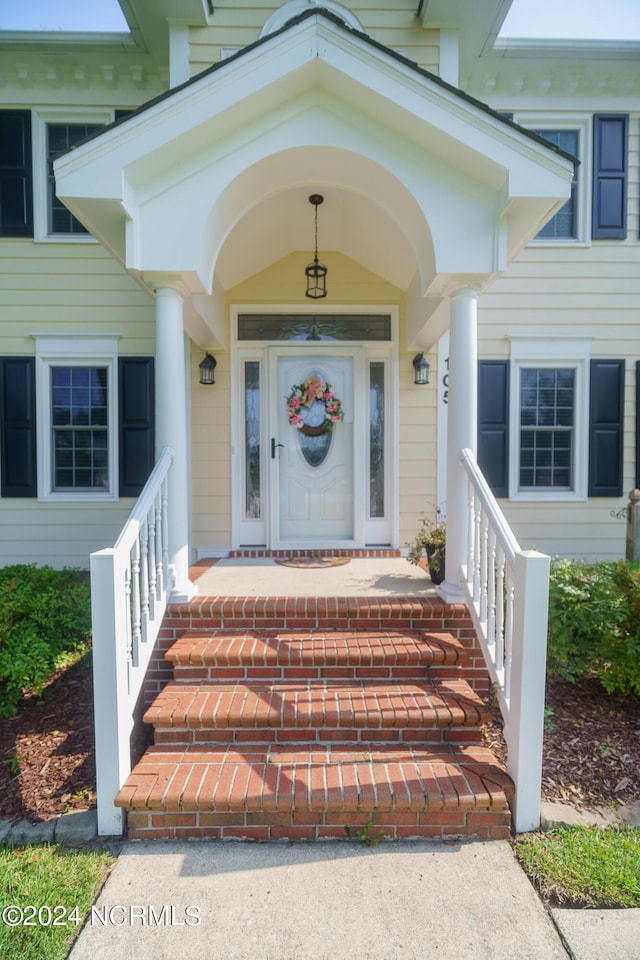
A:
(610, 137)
(493, 424)
(16, 203)
(606, 428)
(137, 423)
(18, 427)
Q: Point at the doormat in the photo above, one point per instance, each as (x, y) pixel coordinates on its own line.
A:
(313, 563)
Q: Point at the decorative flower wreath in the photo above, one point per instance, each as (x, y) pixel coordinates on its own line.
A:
(304, 395)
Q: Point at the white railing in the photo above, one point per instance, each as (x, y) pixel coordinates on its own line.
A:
(130, 584)
(507, 590)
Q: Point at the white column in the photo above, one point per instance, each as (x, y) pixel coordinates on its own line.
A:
(461, 430)
(171, 429)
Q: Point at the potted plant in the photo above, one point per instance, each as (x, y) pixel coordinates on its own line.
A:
(431, 540)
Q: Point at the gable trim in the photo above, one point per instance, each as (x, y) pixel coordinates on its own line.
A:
(393, 55)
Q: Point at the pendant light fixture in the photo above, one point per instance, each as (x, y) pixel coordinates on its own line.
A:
(316, 272)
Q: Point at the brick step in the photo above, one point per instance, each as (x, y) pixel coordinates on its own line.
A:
(313, 654)
(316, 792)
(335, 613)
(294, 710)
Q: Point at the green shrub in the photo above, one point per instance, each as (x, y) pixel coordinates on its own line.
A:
(594, 623)
(45, 615)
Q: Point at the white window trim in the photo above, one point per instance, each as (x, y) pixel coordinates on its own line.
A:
(40, 120)
(582, 124)
(545, 352)
(70, 350)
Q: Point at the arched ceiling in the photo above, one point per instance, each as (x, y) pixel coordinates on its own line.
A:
(367, 214)
(348, 222)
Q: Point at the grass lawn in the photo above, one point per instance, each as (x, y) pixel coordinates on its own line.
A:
(45, 894)
(584, 866)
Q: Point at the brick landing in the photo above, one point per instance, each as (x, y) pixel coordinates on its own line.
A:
(309, 718)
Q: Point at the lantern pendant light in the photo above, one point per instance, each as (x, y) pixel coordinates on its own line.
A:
(316, 272)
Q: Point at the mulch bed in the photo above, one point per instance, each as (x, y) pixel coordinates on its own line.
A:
(591, 750)
(591, 756)
(48, 757)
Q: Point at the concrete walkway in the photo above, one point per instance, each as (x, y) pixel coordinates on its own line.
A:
(323, 902)
(337, 901)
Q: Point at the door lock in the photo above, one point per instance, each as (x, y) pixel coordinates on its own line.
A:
(274, 447)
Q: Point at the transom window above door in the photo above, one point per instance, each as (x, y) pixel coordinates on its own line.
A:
(325, 326)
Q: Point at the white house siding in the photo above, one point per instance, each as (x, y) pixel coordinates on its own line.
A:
(59, 534)
(56, 287)
(584, 290)
(211, 454)
(393, 24)
(591, 292)
(281, 284)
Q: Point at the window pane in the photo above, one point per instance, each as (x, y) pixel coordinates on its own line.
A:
(376, 439)
(547, 401)
(563, 224)
(79, 418)
(252, 438)
(252, 326)
(61, 136)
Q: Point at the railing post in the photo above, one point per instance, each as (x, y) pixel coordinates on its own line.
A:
(525, 724)
(633, 526)
(110, 672)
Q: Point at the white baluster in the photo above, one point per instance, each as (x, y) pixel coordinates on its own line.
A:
(160, 577)
(477, 551)
(491, 593)
(470, 543)
(484, 567)
(153, 573)
(165, 537)
(508, 639)
(500, 613)
(136, 633)
(144, 580)
(127, 597)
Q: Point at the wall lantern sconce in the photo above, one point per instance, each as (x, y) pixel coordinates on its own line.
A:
(316, 272)
(207, 366)
(421, 367)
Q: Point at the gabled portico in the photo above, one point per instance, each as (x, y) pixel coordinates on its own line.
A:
(208, 185)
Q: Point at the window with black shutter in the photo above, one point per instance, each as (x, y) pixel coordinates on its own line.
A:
(69, 455)
(549, 435)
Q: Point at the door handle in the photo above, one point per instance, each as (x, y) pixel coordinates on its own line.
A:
(274, 447)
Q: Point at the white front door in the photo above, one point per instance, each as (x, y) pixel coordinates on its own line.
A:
(314, 462)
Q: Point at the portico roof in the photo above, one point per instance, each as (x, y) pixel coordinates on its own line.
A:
(209, 182)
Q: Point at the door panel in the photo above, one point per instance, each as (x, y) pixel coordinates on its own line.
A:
(314, 493)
